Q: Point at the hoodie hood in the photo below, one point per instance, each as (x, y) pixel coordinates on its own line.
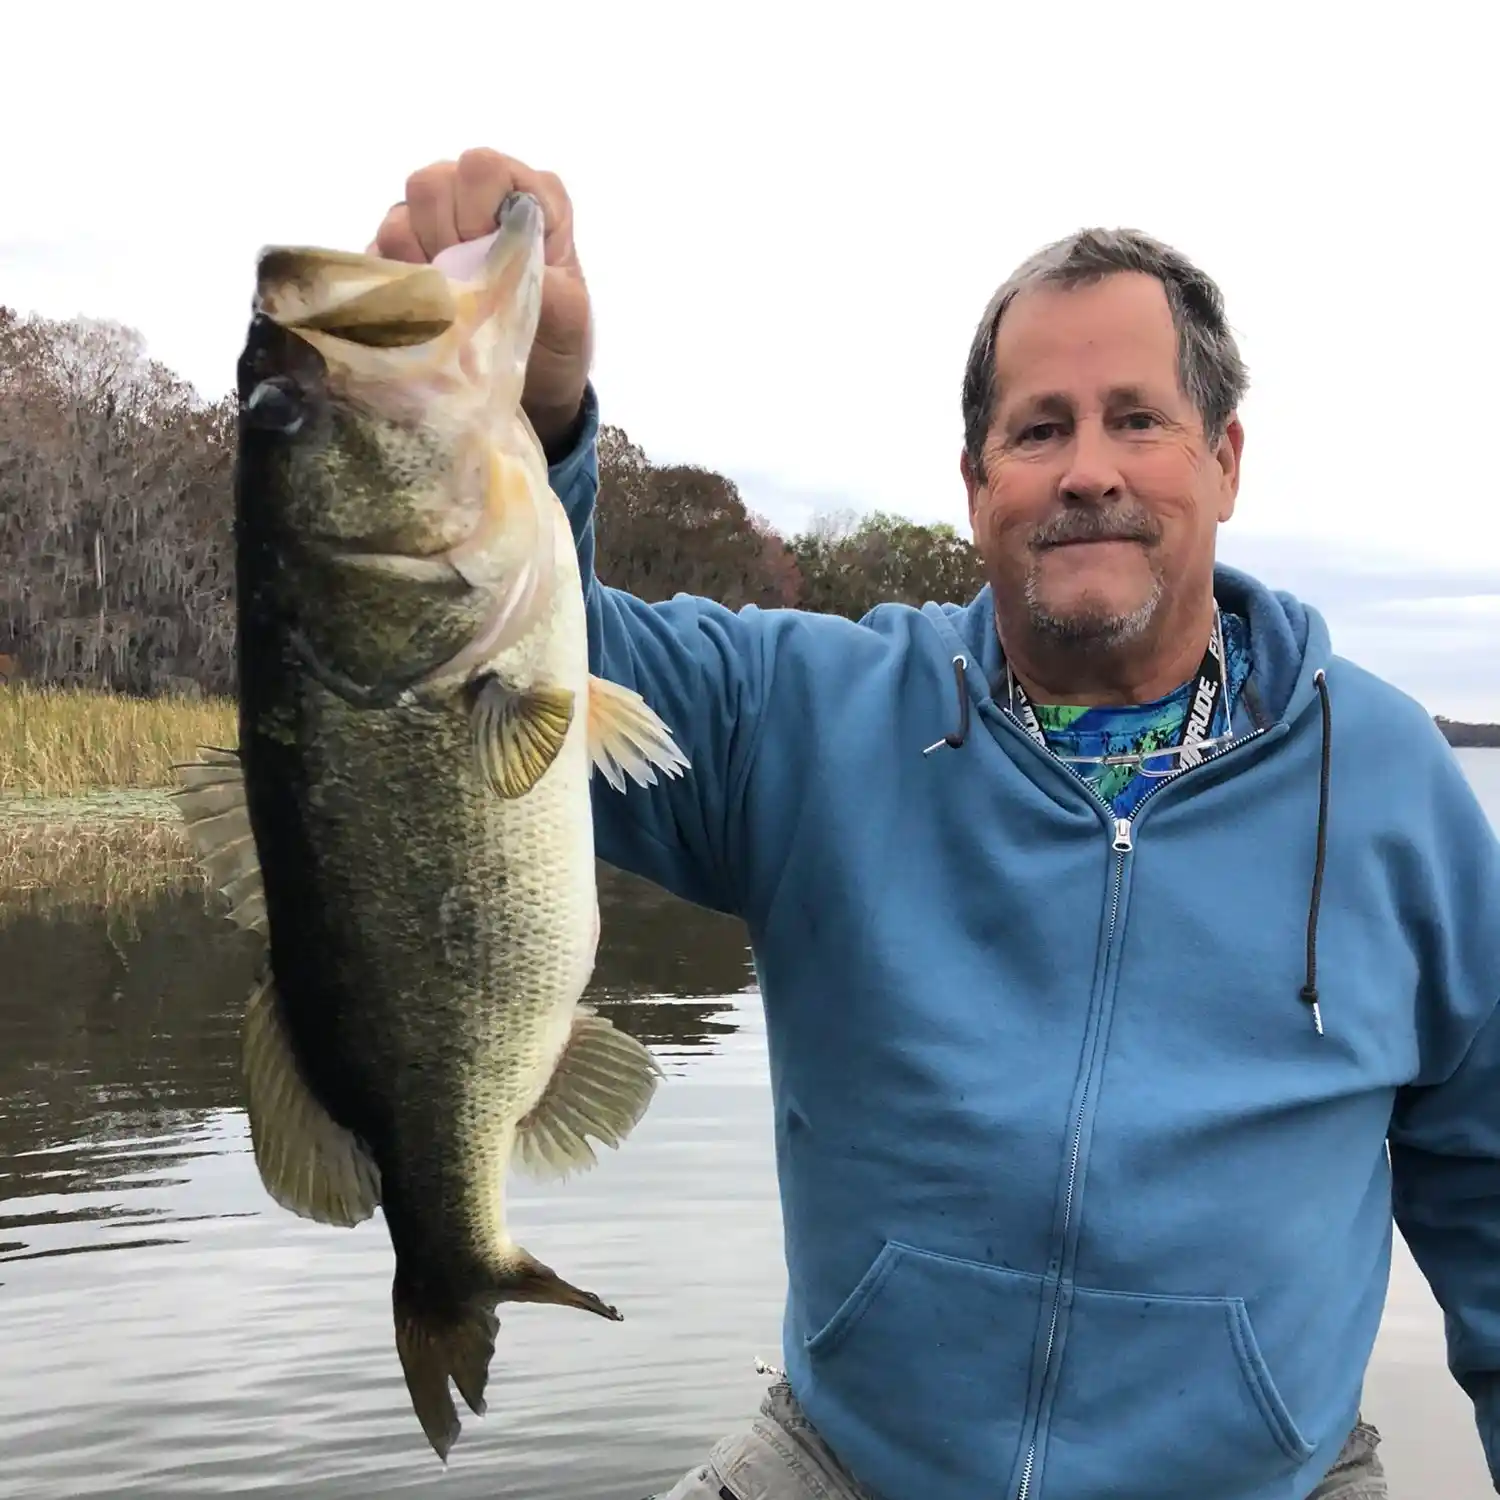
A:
(1289, 644)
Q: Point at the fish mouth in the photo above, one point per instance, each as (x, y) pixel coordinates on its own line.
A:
(419, 567)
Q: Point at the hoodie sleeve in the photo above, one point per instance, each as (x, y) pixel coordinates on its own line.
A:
(1445, 1128)
(701, 667)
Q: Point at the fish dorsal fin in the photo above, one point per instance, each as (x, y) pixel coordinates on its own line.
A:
(517, 734)
(627, 738)
(601, 1086)
(212, 803)
(308, 1162)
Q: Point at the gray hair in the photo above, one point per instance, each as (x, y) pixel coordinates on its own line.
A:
(1209, 367)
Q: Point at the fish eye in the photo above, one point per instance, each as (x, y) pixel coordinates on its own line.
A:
(275, 405)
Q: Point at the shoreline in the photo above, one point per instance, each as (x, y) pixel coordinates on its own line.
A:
(96, 805)
(106, 804)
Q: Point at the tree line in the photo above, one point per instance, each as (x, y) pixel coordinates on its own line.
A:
(116, 517)
(1469, 736)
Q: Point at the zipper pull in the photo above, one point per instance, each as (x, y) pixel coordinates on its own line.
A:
(1122, 844)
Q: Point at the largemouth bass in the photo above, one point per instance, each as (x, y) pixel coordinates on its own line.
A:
(407, 816)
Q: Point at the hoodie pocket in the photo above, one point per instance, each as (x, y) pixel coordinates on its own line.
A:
(927, 1366)
(1170, 1394)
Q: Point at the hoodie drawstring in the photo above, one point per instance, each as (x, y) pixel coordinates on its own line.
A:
(956, 741)
(1309, 990)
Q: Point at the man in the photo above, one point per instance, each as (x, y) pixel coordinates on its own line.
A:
(1108, 927)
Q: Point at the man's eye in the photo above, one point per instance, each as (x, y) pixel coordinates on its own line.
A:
(1139, 421)
(1038, 432)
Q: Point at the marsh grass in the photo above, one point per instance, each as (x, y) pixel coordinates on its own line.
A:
(84, 816)
(119, 864)
(65, 742)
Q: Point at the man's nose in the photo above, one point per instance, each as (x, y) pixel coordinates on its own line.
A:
(1092, 473)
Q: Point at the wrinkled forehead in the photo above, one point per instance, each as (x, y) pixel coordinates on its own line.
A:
(1081, 343)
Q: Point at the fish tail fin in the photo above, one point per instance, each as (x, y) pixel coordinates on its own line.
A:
(455, 1341)
(523, 1278)
(437, 1345)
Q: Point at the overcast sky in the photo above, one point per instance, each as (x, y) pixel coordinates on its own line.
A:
(792, 216)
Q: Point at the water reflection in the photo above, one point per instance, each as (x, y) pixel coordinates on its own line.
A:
(234, 1348)
(238, 1347)
(119, 1041)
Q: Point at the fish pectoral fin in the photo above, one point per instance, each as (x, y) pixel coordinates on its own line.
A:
(439, 1345)
(517, 733)
(308, 1162)
(627, 738)
(601, 1086)
(211, 800)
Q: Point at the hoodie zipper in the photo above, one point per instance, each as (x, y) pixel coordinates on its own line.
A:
(1122, 843)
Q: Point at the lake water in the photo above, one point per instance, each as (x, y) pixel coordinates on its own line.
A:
(167, 1330)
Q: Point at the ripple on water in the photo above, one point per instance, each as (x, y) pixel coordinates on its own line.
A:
(231, 1348)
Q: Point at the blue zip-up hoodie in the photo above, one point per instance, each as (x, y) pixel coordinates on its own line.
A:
(1078, 1201)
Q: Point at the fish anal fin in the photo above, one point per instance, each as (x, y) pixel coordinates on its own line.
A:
(601, 1087)
(211, 801)
(308, 1162)
(518, 733)
(626, 737)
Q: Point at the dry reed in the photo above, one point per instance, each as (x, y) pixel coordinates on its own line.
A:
(64, 742)
(48, 864)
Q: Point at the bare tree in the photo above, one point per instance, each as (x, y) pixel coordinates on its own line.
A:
(115, 512)
(116, 523)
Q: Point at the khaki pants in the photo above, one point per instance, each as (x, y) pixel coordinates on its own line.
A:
(780, 1457)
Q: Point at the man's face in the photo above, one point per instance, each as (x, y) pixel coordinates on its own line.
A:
(1101, 496)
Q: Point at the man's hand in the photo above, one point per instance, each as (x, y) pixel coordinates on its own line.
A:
(453, 201)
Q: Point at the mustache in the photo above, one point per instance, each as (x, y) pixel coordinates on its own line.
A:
(1094, 525)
